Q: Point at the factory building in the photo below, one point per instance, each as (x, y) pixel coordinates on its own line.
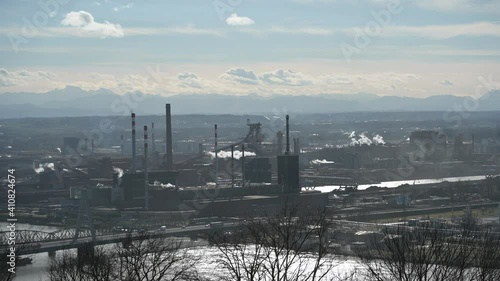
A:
(258, 170)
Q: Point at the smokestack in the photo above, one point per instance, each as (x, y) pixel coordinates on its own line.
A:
(153, 148)
(146, 179)
(169, 137)
(121, 145)
(445, 147)
(287, 136)
(232, 166)
(133, 143)
(243, 165)
(200, 148)
(473, 150)
(92, 146)
(216, 158)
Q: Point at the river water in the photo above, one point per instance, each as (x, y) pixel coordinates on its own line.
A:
(36, 270)
(394, 184)
(208, 256)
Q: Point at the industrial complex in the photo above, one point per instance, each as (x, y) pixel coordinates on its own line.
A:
(166, 175)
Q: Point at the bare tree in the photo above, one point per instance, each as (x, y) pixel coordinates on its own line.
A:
(93, 263)
(432, 254)
(286, 246)
(154, 259)
(20, 250)
(137, 258)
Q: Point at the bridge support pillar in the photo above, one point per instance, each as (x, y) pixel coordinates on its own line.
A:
(85, 252)
(193, 237)
(52, 254)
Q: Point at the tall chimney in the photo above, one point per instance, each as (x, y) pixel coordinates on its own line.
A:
(146, 171)
(153, 148)
(243, 165)
(473, 150)
(121, 145)
(133, 143)
(216, 158)
(92, 143)
(287, 136)
(232, 166)
(169, 137)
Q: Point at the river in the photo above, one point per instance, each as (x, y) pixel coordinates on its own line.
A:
(394, 184)
(37, 270)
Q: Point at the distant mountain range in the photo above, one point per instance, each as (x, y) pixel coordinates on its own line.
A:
(73, 101)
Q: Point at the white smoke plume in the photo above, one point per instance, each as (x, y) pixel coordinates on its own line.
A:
(162, 185)
(364, 140)
(378, 139)
(118, 171)
(58, 149)
(318, 162)
(41, 167)
(227, 154)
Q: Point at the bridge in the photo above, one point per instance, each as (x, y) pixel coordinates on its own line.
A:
(32, 241)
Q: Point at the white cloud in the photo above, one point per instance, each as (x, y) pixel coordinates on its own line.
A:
(417, 79)
(236, 20)
(484, 6)
(189, 80)
(241, 76)
(186, 30)
(84, 24)
(23, 77)
(187, 75)
(128, 6)
(285, 77)
(446, 83)
(299, 30)
(445, 31)
(462, 6)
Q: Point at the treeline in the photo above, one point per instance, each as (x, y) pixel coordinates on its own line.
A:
(291, 246)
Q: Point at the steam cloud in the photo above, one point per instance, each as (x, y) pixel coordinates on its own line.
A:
(378, 139)
(318, 162)
(41, 167)
(118, 171)
(162, 185)
(364, 140)
(227, 154)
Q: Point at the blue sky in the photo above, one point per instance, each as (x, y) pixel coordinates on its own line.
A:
(388, 47)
